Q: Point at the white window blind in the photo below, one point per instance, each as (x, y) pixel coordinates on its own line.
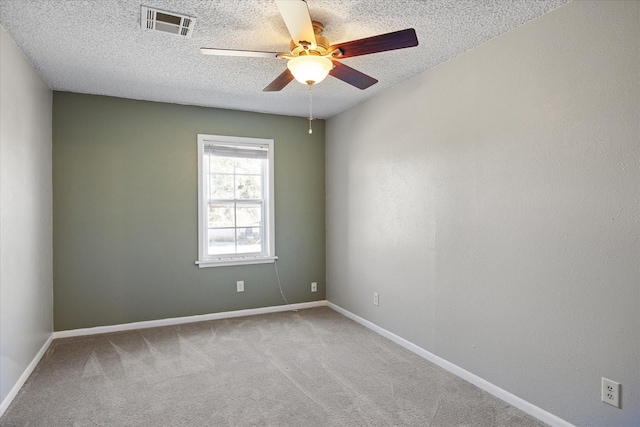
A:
(237, 151)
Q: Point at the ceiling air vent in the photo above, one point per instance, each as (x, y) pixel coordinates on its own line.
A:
(167, 22)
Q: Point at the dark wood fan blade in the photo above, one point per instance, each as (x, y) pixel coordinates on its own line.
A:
(381, 43)
(351, 76)
(280, 82)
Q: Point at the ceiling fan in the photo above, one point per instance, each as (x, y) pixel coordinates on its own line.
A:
(312, 57)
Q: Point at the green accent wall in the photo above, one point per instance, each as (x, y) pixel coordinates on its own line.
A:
(125, 212)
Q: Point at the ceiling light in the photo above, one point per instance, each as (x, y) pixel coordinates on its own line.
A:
(309, 69)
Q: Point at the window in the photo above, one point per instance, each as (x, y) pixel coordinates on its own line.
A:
(235, 203)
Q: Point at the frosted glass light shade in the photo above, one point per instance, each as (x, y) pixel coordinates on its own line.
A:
(309, 68)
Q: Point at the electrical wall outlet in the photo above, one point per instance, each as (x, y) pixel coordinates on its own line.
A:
(240, 286)
(314, 286)
(376, 301)
(610, 392)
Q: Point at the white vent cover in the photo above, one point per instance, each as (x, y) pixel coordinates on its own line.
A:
(168, 22)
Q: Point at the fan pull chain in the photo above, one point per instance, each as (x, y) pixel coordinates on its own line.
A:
(310, 106)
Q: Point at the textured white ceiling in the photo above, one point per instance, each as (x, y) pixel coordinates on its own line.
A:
(99, 47)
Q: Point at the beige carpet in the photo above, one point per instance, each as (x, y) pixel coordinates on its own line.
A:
(307, 368)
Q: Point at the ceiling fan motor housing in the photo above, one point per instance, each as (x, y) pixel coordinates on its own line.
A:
(304, 47)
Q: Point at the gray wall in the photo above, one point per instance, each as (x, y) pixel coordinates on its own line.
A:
(26, 294)
(493, 202)
(125, 212)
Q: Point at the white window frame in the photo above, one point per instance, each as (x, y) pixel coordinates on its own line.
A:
(205, 260)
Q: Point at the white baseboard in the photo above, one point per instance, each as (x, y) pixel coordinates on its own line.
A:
(186, 319)
(25, 375)
(485, 385)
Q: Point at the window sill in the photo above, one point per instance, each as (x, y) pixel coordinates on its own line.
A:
(225, 262)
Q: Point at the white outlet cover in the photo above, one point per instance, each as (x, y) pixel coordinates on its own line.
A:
(610, 392)
(240, 286)
(314, 286)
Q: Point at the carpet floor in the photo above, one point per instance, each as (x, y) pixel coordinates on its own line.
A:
(312, 367)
